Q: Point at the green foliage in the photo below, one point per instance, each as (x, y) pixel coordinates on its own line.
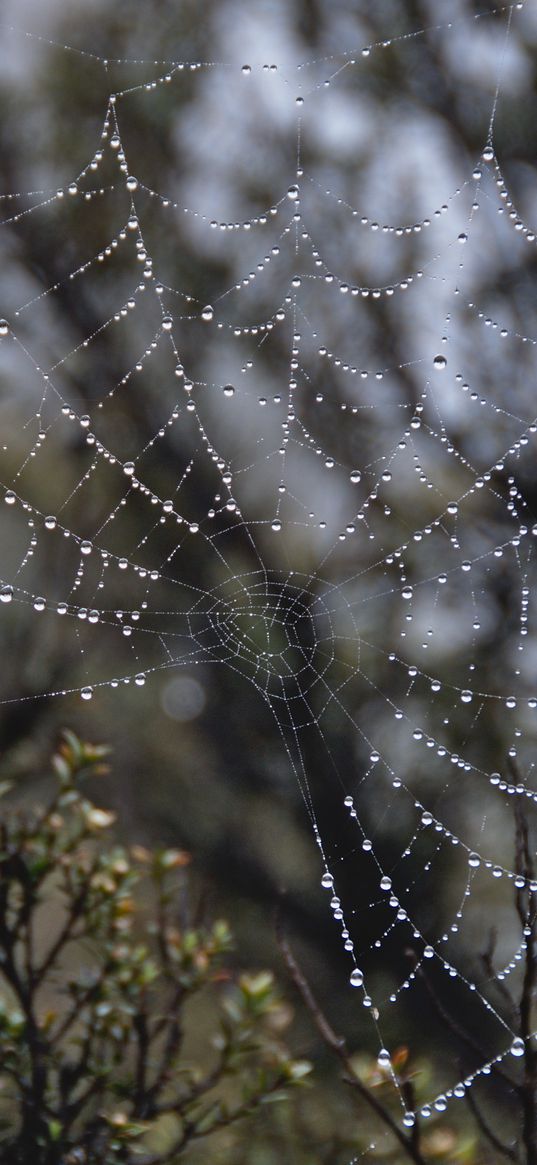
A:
(104, 969)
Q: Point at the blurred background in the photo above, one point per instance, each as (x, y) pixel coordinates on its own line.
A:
(267, 410)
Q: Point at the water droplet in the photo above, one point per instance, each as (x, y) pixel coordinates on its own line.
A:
(167, 324)
(128, 468)
(439, 363)
(276, 525)
(207, 313)
(50, 522)
(327, 881)
(466, 696)
(85, 421)
(140, 679)
(132, 183)
(93, 616)
(4, 327)
(406, 593)
(356, 476)
(85, 547)
(517, 1047)
(86, 693)
(385, 883)
(293, 193)
(474, 860)
(10, 498)
(6, 594)
(229, 390)
(123, 563)
(246, 69)
(488, 154)
(40, 603)
(384, 1058)
(357, 978)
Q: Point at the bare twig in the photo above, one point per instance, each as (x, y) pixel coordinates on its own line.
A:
(456, 1028)
(485, 1129)
(526, 901)
(337, 1045)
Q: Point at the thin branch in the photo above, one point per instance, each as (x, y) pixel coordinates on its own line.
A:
(487, 959)
(459, 1031)
(484, 1128)
(65, 935)
(526, 901)
(338, 1047)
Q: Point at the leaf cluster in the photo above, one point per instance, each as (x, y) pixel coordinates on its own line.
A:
(104, 967)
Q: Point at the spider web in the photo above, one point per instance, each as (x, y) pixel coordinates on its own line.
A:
(348, 531)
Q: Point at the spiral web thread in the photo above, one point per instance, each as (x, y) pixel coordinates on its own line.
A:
(310, 639)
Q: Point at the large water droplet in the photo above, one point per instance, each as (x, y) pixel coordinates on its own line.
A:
(517, 1047)
(357, 978)
(356, 476)
(4, 327)
(439, 363)
(132, 183)
(6, 594)
(293, 193)
(39, 603)
(229, 390)
(50, 522)
(207, 313)
(167, 324)
(86, 693)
